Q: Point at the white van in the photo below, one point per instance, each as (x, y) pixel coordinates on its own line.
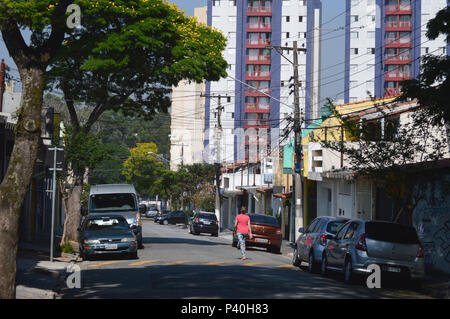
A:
(119, 199)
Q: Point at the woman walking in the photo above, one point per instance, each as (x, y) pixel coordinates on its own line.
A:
(243, 229)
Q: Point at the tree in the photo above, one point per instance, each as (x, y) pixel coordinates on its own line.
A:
(395, 159)
(142, 169)
(47, 24)
(127, 57)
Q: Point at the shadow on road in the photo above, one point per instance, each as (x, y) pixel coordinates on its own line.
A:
(175, 240)
(218, 281)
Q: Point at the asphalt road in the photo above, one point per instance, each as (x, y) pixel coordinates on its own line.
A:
(176, 264)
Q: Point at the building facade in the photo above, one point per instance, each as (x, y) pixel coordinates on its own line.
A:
(255, 99)
(187, 118)
(384, 42)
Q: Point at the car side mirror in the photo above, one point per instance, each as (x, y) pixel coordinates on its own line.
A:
(84, 211)
(301, 230)
(142, 209)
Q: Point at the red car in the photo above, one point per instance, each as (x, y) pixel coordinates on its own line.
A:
(266, 233)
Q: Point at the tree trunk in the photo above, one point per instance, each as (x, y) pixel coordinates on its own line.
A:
(17, 179)
(73, 212)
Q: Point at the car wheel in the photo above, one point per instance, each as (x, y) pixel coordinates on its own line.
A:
(295, 261)
(215, 234)
(348, 271)
(324, 265)
(165, 222)
(274, 249)
(311, 263)
(134, 255)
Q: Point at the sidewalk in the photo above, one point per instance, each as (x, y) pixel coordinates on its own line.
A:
(37, 277)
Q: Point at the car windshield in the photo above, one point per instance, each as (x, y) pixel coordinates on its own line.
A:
(112, 202)
(207, 216)
(390, 232)
(263, 219)
(334, 226)
(107, 223)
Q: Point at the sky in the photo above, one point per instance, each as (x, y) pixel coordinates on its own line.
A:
(332, 45)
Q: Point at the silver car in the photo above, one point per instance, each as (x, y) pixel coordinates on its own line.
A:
(394, 247)
(311, 243)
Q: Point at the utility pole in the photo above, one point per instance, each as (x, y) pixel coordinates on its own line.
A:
(299, 218)
(54, 169)
(218, 162)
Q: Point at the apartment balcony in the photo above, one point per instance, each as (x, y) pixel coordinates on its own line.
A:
(259, 11)
(398, 58)
(398, 26)
(392, 92)
(398, 9)
(398, 43)
(257, 108)
(258, 59)
(258, 43)
(257, 91)
(397, 75)
(257, 75)
(259, 27)
(256, 124)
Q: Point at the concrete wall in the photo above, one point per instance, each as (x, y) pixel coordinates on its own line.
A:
(432, 221)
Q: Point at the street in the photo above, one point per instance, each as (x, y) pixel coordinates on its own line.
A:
(176, 264)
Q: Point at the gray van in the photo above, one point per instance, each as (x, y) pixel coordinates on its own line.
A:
(117, 199)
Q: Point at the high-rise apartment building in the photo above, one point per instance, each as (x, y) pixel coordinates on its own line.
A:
(384, 42)
(188, 118)
(256, 95)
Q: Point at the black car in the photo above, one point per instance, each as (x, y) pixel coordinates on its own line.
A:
(174, 217)
(205, 222)
(161, 215)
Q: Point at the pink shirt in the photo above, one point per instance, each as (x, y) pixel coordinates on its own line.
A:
(242, 223)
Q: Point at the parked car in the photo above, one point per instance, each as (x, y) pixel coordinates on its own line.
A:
(160, 215)
(394, 247)
(311, 243)
(266, 233)
(107, 234)
(152, 211)
(174, 217)
(117, 199)
(205, 222)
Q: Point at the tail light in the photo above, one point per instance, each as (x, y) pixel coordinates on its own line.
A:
(323, 240)
(196, 220)
(361, 245)
(217, 222)
(278, 232)
(420, 252)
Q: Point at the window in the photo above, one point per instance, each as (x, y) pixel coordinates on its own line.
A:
(319, 226)
(341, 232)
(354, 35)
(354, 51)
(391, 125)
(370, 50)
(286, 2)
(312, 226)
(371, 130)
(216, 3)
(334, 226)
(371, 34)
(345, 188)
(302, 2)
(352, 229)
(232, 3)
(287, 18)
(354, 18)
(300, 19)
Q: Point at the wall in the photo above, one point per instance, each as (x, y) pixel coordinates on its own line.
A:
(432, 221)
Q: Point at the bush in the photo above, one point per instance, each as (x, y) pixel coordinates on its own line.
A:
(67, 248)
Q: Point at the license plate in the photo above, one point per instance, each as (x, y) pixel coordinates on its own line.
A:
(206, 223)
(261, 240)
(392, 269)
(111, 247)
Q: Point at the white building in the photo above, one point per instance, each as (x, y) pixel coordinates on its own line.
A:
(187, 118)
